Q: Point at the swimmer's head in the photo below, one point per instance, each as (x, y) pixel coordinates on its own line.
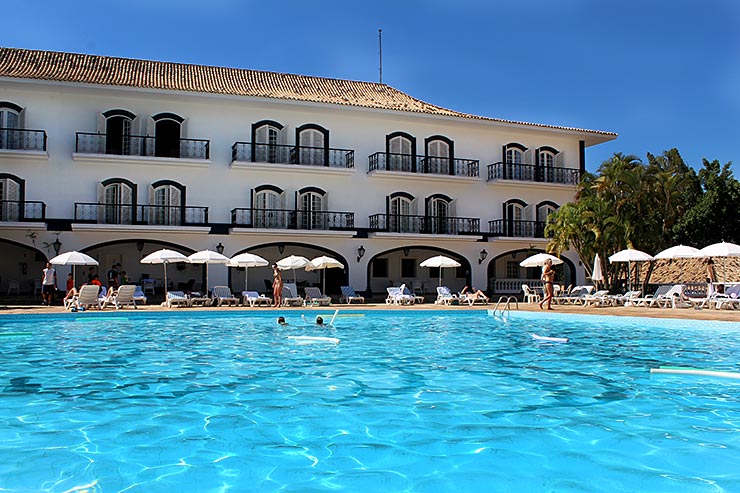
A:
(281, 321)
(319, 320)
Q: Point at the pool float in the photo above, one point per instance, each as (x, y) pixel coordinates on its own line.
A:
(309, 339)
(11, 334)
(549, 339)
(679, 370)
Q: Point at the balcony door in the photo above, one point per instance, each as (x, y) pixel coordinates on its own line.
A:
(400, 149)
(268, 211)
(118, 135)
(10, 196)
(514, 218)
(311, 143)
(266, 148)
(167, 206)
(401, 208)
(438, 212)
(167, 137)
(9, 129)
(438, 157)
(311, 210)
(117, 204)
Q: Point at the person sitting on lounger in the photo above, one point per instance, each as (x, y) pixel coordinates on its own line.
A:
(474, 294)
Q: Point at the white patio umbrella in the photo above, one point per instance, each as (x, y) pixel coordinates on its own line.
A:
(293, 262)
(164, 257)
(323, 263)
(597, 274)
(73, 258)
(207, 257)
(538, 260)
(247, 260)
(630, 255)
(722, 249)
(441, 262)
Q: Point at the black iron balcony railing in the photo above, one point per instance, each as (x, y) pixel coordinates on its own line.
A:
(163, 215)
(393, 223)
(517, 229)
(22, 210)
(139, 145)
(284, 154)
(528, 172)
(22, 139)
(291, 219)
(389, 161)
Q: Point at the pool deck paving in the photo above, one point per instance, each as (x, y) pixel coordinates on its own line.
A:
(679, 313)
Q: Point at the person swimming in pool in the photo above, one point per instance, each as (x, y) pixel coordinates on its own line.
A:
(281, 321)
(319, 321)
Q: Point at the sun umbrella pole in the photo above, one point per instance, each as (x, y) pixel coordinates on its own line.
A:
(246, 273)
(164, 265)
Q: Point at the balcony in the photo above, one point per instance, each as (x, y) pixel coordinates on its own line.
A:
(528, 172)
(291, 219)
(19, 211)
(22, 140)
(517, 229)
(142, 146)
(251, 152)
(386, 161)
(394, 223)
(158, 215)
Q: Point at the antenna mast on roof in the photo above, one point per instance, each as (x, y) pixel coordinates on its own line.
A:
(380, 54)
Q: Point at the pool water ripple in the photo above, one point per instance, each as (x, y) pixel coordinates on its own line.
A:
(405, 402)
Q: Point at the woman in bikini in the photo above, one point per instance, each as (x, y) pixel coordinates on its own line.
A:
(548, 277)
(277, 286)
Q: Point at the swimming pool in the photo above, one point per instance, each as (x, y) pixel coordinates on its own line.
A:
(407, 401)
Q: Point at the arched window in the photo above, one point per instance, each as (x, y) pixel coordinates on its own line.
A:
(167, 203)
(117, 199)
(311, 205)
(10, 126)
(268, 208)
(119, 126)
(438, 155)
(544, 209)
(438, 213)
(517, 162)
(401, 213)
(167, 133)
(547, 159)
(401, 149)
(265, 143)
(11, 195)
(313, 145)
(518, 219)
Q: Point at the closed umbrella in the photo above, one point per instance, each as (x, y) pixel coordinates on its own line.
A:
(293, 262)
(73, 258)
(597, 274)
(538, 260)
(207, 257)
(323, 263)
(440, 262)
(247, 260)
(630, 255)
(164, 257)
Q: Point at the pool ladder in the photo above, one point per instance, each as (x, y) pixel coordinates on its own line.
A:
(501, 310)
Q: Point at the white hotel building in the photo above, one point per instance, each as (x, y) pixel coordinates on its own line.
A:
(117, 158)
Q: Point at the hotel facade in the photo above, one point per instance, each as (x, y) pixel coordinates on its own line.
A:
(118, 158)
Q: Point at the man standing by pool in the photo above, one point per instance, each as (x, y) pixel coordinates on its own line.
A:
(48, 284)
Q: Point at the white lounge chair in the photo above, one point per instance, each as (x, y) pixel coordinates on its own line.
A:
(122, 297)
(199, 299)
(349, 295)
(290, 295)
(397, 297)
(626, 299)
(530, 295)
(88, 297)
(417, 298)
(599, 298)
(253, 298)
(314, 297)
(176, 298)
(446, 297)
(139, 295)
(223, 295)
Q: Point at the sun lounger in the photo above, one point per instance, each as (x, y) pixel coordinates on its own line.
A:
(123, 296)
(176, 298)
(599, 298)
(88, 297)
(290, 295)
(655, 299)
(397, 297)
(253, 298)
(349, 295)
(314, 297)
(139, 295)
(222, 295)
(576, 296)
(417, 298)
(730, 299)
(626, 299)
(445, 296)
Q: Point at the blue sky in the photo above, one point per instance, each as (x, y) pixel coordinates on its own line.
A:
(660, 73)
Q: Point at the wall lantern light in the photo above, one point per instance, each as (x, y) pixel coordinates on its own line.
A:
(220, 248)
(482, 257)
(406, 251)
(57, 245)
(360, 252)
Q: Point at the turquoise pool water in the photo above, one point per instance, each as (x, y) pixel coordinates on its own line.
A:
(407, 401)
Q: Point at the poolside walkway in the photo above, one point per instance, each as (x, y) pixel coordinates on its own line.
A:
(682, 313)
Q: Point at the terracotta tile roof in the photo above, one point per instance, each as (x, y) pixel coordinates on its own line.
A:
(103, 70)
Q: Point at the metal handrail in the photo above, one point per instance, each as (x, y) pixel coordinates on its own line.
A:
(389, 161)
(22, 210)
(252, 152)
(22, 139)
(253, 217)
(517, 228)
(141, 145)
(163, 215)
(529, 172)
(402, 223)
